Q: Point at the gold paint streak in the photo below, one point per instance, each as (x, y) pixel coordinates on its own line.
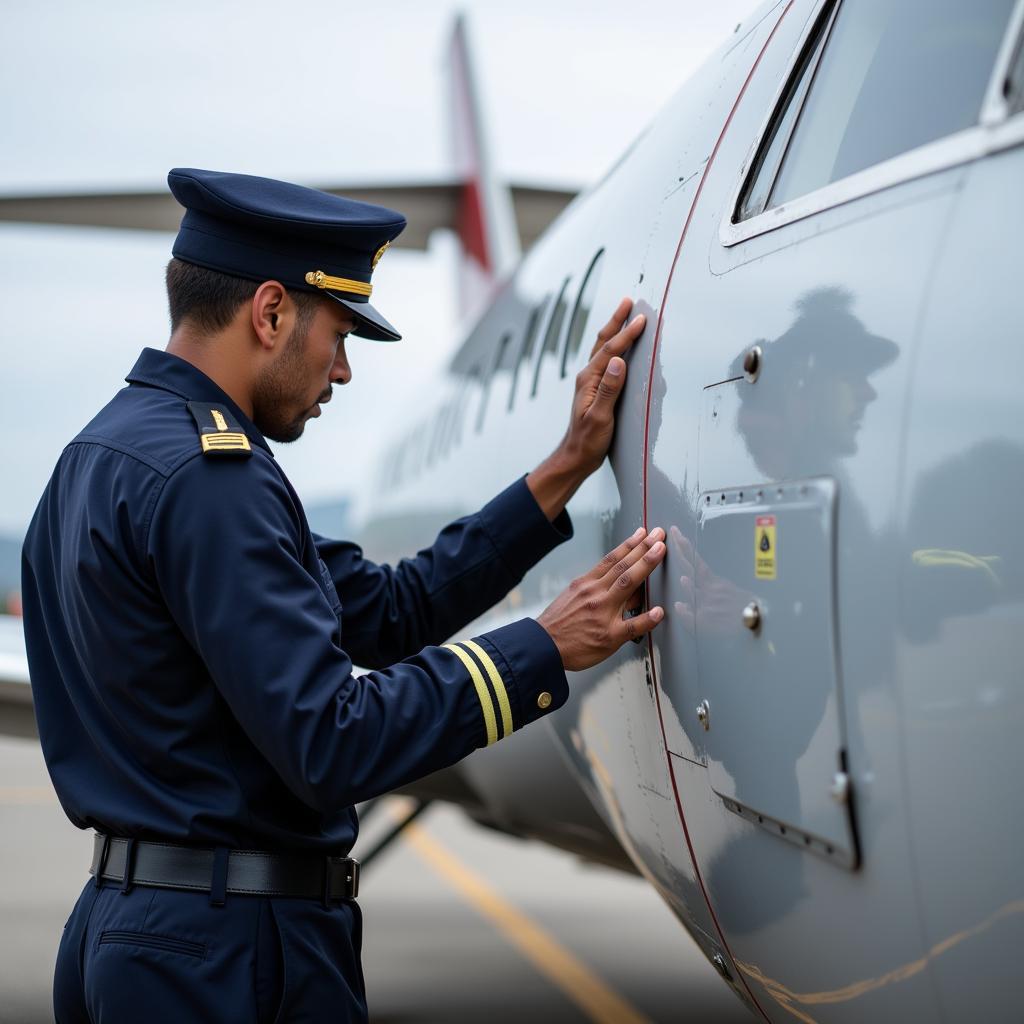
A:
(599, 1002)
(929, 558)
(784, 996)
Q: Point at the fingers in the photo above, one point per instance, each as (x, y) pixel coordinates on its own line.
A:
(638, 625)
(609, 386)
(627, 581)
(615, 568)
(614, 325)
(617, 554)
(617, 345)
(616, 336)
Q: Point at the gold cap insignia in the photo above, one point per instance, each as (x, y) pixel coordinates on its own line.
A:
(338, 284)
(380, 252)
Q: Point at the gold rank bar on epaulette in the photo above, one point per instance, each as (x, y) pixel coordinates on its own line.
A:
(485, 695)
(226, 442)
(219, 434)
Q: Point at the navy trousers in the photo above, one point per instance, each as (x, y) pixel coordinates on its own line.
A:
(155, 955)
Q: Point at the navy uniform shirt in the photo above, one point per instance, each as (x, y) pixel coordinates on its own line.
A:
(191, 642)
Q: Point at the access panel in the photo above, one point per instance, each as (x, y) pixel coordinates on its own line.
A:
(766, 653)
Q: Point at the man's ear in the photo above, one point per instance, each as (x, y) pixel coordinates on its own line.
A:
(273, 314)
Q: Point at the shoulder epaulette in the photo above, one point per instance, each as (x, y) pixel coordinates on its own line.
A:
(219, 432)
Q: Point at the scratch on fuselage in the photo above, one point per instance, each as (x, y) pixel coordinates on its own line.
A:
(682, 182)
(785, 997)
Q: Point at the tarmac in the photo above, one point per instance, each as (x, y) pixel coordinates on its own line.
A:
(461, 924)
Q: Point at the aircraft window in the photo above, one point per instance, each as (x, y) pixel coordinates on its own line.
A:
(416, 456)
(581, 311)
(450, 430)
(526, 349)
(755, 196)
(459, 407)
(552, 334)
(889, 78)
(437, 434)
(1013, 87)
(398, 469)
(500, 363)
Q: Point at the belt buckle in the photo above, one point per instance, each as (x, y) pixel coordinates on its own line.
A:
(350, 866)
(352, 877)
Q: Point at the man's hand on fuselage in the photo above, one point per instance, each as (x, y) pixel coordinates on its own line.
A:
(592, 420)
(588, 620)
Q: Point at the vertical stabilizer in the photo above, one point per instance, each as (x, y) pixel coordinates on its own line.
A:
(485, 223)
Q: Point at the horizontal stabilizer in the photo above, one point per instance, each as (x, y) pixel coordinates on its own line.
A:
(16, 715)
(427, 206)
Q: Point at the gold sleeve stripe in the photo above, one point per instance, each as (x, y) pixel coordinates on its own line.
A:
(497, 682)
(486, 704)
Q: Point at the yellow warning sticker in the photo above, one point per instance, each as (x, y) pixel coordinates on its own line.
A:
(765, 553)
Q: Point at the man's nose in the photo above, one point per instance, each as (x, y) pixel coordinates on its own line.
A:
(341, 372)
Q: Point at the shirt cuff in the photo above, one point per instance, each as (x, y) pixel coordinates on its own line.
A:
(520, 530)
(531, 667)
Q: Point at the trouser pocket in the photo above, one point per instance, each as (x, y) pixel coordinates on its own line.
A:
(163, 942)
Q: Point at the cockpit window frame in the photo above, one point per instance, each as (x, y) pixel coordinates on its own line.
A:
(999, 127)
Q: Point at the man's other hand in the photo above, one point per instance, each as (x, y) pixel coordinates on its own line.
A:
(592, 420)
(586, 621)
(598, 386)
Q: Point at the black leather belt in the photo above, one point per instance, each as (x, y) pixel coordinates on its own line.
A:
(222, 871)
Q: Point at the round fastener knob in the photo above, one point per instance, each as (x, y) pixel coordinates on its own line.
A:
(840, 788)
(544, 701)
(752, 363)
(752, 616)
(721, 966)
(704, 714)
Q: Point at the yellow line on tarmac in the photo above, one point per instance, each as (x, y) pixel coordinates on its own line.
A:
(556, 963)
(27, 795)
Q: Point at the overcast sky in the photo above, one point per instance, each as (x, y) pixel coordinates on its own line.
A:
(110, 95)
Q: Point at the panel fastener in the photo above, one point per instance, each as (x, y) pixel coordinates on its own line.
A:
(752, 363)
(840, 788)
(752, 616)
(704, 714)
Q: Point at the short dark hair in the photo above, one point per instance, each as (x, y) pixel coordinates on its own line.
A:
(209, 299)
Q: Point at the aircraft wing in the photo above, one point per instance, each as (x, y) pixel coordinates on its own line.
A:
(16, 716)
(427, 205)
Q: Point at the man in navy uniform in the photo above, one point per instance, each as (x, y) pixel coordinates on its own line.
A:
(191, 642)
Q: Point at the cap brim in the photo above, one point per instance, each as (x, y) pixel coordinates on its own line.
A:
(369, 323)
